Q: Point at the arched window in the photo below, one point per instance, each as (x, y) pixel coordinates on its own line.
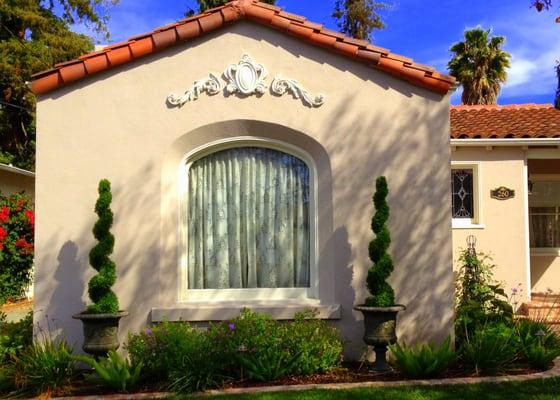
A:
(247, 223)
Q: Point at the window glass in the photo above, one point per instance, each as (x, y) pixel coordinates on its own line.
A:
(544, 210)
(462, 193)
(248, 220)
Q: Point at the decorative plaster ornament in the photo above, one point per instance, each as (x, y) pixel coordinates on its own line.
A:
(282, 85)
(246, 77)
(211, 85)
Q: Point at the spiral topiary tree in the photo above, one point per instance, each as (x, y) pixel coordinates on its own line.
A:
(99, 288)
(382, 294)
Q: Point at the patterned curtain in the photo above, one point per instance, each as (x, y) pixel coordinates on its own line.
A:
(248, 220)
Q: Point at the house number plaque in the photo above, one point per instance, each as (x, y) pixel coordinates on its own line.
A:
(502, 193)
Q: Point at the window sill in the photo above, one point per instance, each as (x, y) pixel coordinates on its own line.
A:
(224, 310)
(545, 251)
(455, 225)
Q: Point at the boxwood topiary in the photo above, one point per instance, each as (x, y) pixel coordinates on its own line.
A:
(382, 294)
(99, 287)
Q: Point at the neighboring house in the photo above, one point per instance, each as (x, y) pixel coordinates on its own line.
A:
(257, 191)
(14, 180)
(515, 147)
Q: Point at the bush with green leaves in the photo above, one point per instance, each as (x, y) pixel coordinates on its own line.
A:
(15, 337)
(424, 360)
(491, 349)
(269, 350)
(99, 288)
(539, 343)
(17, 222)
(252, 345)
(479, 299)
(381, 293)
(113, 372)
(319, 344)
(46, 366)
(162, 348)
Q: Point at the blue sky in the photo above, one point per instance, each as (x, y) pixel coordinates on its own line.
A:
(422, 30)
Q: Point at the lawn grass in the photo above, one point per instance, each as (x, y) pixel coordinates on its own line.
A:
(546, 389)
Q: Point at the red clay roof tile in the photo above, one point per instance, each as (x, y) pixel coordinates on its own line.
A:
(263, 13)
(501, 122)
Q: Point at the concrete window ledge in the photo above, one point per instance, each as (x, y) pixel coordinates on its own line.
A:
(224, 310)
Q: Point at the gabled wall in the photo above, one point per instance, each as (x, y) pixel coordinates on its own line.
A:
(118, 126)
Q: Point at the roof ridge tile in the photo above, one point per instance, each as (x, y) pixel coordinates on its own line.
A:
(270, 15)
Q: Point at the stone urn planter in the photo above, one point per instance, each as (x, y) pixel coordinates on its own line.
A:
(380, 331)
(100, 332)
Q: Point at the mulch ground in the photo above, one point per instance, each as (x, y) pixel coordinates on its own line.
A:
(349, 373)
(358, 372)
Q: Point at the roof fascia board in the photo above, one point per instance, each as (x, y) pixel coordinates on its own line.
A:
(16, 170)
(505, 142)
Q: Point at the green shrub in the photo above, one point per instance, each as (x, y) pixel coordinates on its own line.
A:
(6, 380)
(539, 344)
(269, 349)
(539, 356)
(423, 361)
(15, 337)
(113, 372)
(382, 294)
(46, 367)
(252, 345)
(16, 245)
(479, 299)
(491, 349)
(531, 332)
(99, 287)
(161, 348)
(318, 343)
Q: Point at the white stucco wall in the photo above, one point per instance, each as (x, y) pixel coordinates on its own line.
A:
(118, 126)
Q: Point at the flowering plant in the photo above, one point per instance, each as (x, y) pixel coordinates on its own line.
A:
(17, 221)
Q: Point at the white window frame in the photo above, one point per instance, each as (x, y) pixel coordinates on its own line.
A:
(476, 221)
(543, 251)
(187, 295)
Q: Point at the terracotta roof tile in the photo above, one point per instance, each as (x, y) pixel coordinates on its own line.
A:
(501, 122)
(272, 16)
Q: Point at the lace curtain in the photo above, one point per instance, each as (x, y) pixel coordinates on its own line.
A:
(248, 220)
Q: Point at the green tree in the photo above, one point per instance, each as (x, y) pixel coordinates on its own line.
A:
(99, 288)
(382, 294)
(479, 64)
(358, 18)
(33, 38)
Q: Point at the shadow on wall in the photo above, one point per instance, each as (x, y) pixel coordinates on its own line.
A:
(421, 249)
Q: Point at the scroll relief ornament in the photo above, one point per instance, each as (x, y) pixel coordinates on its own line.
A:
(281, 86)
(211, 85)
(247, 78)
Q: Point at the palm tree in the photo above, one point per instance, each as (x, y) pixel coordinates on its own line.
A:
(479, 64)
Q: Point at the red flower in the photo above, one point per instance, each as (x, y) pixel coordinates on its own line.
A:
(4, 213)
(3, 234)
(26, 248)
(30, 217)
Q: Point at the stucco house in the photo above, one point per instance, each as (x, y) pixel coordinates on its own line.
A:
(505, 164)
(242, 145)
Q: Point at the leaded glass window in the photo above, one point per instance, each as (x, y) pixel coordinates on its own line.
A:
(462, 191)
